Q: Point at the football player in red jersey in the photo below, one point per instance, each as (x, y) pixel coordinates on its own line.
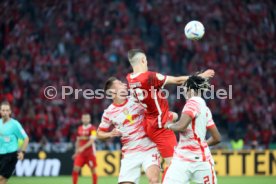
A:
(85, 149)
(142, 81)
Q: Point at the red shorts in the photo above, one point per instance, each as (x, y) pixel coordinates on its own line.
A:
(90, 160)
(164, 139)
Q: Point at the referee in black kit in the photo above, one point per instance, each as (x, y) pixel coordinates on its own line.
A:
(10, 132)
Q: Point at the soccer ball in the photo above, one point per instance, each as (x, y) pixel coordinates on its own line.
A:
(194, 30)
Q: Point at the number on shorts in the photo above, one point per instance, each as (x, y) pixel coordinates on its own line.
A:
(206, 180)
(155, 156)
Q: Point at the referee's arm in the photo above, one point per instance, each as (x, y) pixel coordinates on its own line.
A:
(21, 134)
(23, 148)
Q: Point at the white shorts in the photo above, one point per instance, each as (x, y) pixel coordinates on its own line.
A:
(131, 165)
(180, 172)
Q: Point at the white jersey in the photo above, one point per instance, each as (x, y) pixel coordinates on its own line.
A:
(128, 118)
(192, 146)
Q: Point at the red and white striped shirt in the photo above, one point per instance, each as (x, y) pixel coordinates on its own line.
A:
(128, 118)
(192, 146)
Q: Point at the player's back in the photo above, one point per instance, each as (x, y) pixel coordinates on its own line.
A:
(146, 87)
(192, 145)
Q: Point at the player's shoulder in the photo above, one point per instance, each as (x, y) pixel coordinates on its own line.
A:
(15, 122)
(196, 99)
(138, 76)
(109, 110)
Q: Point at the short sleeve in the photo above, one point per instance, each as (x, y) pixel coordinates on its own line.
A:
(191, 108)
(105, 123)
(20, 132)
(210, 121)
(157, 80)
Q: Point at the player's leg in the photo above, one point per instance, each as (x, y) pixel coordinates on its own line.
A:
(151, 165)
(75, 174)
(78, 163)
(91, 162)
(178, 173)
(153, 173)
(94, 175)
(165, 141)
(204, 173)
(130, 170)
(173, 116)
(3, 180)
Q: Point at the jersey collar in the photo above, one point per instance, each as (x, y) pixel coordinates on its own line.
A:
(120, 105)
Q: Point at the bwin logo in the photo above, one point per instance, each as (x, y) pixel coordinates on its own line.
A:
(38, 167)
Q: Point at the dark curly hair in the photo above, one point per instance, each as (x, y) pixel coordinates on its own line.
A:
(197, 83)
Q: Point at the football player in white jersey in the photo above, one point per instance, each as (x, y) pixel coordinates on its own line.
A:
(192, 160)
(126, 116)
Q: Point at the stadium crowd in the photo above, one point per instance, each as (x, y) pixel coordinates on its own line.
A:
(80, 43)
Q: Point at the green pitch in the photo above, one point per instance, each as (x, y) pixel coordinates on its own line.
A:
(113, 180)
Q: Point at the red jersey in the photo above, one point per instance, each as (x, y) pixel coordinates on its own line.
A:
(89, 132)
(146, 87)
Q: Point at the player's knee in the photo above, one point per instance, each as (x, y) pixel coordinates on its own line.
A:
(93, 170)
(76, 169)
(3, 180)
(154, 177)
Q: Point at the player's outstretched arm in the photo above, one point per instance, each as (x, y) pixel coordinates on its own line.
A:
(107, 135)
(180, 80)
(215, 136)
(176, 80)
(180, 125)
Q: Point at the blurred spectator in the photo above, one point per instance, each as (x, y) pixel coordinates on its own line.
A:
(251, 136)
(237, 143)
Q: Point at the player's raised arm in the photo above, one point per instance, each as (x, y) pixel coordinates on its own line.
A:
(176, 80)
(181, 79)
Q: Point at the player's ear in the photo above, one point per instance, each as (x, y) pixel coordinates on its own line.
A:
(145, 60)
